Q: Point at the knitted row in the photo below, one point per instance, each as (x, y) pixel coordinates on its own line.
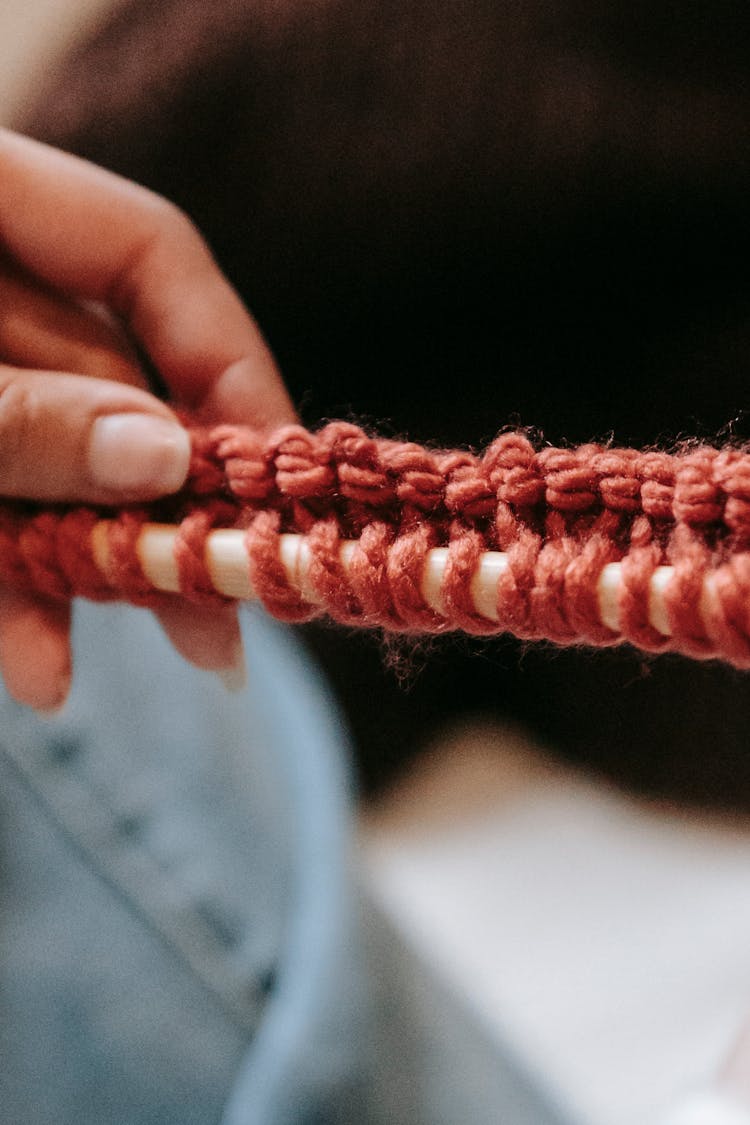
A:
(343, 470)
(549, 589)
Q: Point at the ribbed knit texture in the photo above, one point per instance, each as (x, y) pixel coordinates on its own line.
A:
(560, 514)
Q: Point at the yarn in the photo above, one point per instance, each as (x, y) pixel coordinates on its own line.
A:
(560, 515)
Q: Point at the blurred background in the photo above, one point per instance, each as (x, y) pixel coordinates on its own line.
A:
(31, 35)
(553, 850)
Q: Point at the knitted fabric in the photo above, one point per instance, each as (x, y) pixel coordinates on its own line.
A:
(560, 515)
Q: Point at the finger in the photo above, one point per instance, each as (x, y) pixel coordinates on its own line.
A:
(35, 659)
(206, 636)
(72, 438)
(41, 329)
(89, 232)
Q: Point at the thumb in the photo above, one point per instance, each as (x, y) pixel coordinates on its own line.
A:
(74, 438)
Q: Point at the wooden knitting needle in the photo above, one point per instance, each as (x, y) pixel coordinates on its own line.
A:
(226, 560)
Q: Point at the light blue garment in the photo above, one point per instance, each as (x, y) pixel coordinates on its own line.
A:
(175, 929)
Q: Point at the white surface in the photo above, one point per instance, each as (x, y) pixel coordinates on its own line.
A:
(709, 1108)
(608, 944)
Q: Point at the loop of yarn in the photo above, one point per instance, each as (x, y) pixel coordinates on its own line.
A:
(125, 572)
(561, 515)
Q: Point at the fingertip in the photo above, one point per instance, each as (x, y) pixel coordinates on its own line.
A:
(72, 438)
(250, 392)
(207, 636)
(35, 656)
(234, 677)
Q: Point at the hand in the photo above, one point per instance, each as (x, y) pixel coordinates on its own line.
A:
(92, 269)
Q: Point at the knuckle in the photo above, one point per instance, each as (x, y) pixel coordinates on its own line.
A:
(172, 224)
(20, 408)
(166, 233)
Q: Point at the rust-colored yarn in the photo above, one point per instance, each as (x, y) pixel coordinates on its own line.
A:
(560, 515)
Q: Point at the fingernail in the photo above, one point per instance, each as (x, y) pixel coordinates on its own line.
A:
(137, 452)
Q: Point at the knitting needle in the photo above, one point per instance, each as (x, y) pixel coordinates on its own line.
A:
(226, 560)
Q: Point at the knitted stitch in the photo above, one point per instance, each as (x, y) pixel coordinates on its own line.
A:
(559, 514)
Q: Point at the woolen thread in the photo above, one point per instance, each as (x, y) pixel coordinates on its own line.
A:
(561, 515)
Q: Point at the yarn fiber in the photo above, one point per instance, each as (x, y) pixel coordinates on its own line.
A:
(560, 514)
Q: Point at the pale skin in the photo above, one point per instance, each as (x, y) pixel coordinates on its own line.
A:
(91, 264)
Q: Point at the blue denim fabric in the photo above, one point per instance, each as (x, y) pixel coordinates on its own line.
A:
(175, 928)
